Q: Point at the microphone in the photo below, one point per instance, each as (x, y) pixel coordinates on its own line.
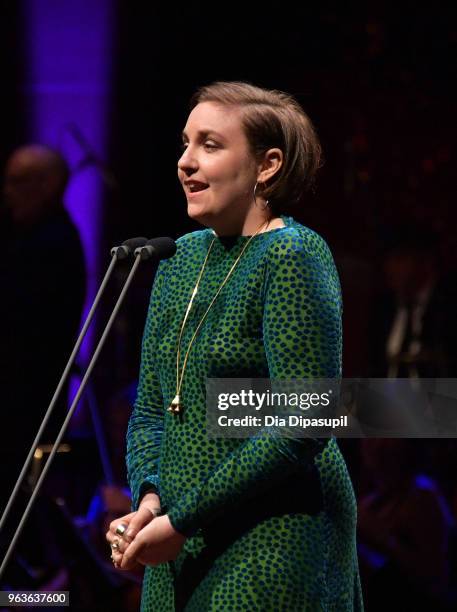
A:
(157, 248)
(160, 248)
(128, 247)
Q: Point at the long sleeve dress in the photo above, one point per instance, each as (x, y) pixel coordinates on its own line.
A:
(270, 521)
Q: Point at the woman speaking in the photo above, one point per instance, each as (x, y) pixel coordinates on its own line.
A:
(265, 523)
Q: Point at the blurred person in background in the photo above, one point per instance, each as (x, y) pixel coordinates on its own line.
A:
(43, 278)
(405, 530)
(413, 333)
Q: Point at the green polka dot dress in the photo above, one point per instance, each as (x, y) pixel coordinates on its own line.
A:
(270, 521)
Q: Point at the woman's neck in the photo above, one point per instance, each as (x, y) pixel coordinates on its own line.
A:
(249, 226)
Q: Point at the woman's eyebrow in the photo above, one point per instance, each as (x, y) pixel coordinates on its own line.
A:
(204, 134)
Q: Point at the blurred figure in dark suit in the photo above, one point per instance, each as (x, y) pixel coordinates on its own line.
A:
(42, 276)
(413, 333)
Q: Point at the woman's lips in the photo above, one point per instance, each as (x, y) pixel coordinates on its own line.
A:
(195, 185)
(193, 194)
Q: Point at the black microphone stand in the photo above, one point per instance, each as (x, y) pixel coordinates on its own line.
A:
(143, 252)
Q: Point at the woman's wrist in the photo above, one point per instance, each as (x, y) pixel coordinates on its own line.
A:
(151, 501)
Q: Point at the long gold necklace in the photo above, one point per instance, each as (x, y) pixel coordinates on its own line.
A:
(176, 406)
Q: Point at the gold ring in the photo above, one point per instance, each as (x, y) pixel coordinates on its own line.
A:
(115, 545)
(121, 529)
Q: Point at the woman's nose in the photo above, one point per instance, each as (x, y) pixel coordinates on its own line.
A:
(187, 161)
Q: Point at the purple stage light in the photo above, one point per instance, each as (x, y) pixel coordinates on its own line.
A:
(69, 61)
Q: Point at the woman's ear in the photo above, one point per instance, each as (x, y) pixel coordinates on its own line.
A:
(270, 165)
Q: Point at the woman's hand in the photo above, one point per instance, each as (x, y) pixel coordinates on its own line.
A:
(156, 543)
(133, 522)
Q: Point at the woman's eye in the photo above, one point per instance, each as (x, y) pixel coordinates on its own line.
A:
(207, 145)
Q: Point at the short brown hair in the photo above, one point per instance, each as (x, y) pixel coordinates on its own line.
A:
(272, 119)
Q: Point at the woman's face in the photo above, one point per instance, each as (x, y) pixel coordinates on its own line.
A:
(217, 170)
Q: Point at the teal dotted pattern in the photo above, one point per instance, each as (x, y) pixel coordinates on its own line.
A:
(270, 521)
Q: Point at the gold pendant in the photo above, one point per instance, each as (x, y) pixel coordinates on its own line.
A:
(175, 407)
